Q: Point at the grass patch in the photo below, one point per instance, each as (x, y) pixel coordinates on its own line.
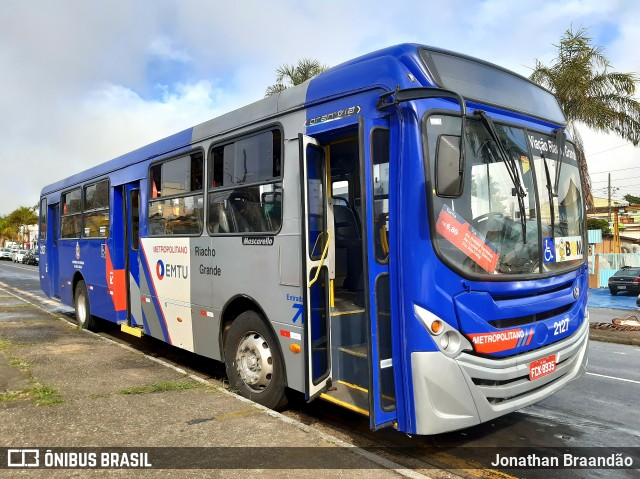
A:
(4, 344)
(18, 363)
(45, 395)
(10, 396)
(162, 387)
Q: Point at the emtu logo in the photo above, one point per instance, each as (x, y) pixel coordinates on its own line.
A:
(160, 269)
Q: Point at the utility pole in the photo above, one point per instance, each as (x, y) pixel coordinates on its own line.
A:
(609, 196)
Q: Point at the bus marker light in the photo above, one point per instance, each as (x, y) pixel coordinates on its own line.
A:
(295, 348)
(436, 326)
(206, 313)
(179, 320)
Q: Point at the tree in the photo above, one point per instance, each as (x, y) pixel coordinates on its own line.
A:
(22, 216)
(590, 93)
(632, 200)
(599, 224)
(292, 75)
(9, 233)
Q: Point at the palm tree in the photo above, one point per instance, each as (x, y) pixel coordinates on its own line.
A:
(590, 93)
(291, 75)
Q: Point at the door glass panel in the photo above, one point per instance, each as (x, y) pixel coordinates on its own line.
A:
(380, 157)
(316, 188)
(319, 298)
(385, 365)
(135, 218)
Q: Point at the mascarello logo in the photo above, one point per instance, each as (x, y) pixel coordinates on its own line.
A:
(160, 269)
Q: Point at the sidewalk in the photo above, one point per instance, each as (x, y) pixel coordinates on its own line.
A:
(64, 387)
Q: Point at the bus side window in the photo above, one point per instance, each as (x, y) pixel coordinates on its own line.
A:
(176, 203)
(245, 185)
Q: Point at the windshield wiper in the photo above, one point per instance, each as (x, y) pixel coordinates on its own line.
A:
(550, 191)
(561, 139)
(511, 165)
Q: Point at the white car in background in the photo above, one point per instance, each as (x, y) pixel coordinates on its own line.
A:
(6, 253)
(18, 255)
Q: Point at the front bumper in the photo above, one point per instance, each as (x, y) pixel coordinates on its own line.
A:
(454, 393)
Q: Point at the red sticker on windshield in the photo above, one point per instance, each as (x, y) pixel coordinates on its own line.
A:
(462, 235)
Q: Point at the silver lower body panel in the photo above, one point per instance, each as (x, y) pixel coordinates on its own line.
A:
(454, 393)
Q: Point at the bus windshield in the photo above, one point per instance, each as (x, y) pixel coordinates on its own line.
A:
(519, 218)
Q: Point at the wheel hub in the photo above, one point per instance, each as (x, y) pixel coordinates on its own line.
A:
(254, 361)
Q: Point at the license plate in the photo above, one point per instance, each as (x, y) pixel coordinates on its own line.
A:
(542, 367)
(622, 287)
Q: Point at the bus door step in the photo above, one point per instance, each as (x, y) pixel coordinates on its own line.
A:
(349, 396)
(132, 330)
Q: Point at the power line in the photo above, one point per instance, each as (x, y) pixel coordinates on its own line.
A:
(611, 171)
(615, 179)
(609, 149)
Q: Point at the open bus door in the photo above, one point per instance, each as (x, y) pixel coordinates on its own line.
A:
(51, 250)
(374, 145)
(317, 265)
(132, 252)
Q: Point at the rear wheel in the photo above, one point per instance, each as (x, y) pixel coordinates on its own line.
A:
(253, 361)
(613, 292)
(83, 309)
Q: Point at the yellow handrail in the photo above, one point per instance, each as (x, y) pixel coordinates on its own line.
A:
(322, 258)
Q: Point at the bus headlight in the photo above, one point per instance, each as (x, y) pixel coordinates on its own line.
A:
(447, 338)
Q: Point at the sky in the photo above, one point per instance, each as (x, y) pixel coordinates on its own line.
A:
(82, 82)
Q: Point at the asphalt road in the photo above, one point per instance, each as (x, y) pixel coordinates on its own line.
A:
(598, 410)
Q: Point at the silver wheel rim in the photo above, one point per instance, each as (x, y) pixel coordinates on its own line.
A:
(81, 309)
(254, 361)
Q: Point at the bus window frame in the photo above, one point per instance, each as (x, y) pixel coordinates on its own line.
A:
(150, 200)
(62, 215)
(43, 213)
(95, 210)
(274, 180)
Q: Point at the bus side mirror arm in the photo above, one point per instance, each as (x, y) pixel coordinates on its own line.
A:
(396, 96)
(443, 173)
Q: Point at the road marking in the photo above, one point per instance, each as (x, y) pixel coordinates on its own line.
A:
(613, 377)
(37, 271)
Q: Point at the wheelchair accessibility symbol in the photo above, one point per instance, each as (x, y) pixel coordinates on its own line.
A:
(549, 250)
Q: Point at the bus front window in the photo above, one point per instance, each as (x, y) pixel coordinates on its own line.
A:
(490, 229)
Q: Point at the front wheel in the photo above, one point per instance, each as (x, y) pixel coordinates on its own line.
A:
(253, 361)
(83, 309)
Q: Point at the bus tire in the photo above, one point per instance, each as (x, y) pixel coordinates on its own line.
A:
(254, 365)
(83, 309)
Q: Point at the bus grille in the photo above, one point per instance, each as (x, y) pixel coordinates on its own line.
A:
(531, 318)
(503, 382)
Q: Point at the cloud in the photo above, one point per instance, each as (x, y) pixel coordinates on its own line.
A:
(83, 82)
(166, 49)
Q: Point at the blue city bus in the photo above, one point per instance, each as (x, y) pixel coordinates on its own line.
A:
(402, 235)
